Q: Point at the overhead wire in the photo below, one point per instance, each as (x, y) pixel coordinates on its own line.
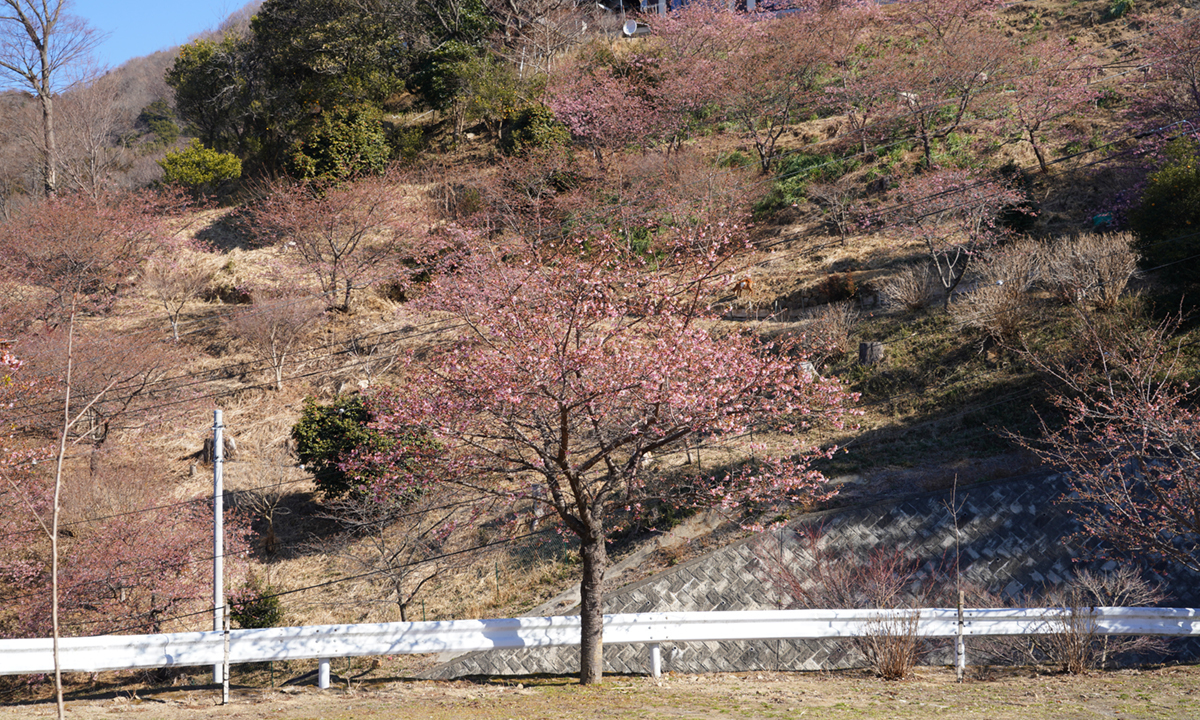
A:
(336, 581)
(263, 365)
(206, 558)
(301, 375)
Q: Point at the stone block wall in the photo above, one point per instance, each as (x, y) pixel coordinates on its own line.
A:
(1015, 536)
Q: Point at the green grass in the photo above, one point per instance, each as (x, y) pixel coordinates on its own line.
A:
(941, 392)
(796, 171)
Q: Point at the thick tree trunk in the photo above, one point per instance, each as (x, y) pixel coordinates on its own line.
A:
(591, 590)
(50, 175)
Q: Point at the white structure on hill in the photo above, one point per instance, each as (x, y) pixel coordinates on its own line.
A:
(662, 6)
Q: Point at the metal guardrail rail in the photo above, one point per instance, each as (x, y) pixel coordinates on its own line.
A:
(129, 652)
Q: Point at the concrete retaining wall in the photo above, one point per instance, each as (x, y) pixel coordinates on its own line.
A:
(1015, 536)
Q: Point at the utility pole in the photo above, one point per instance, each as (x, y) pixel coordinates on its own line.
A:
(218, 535)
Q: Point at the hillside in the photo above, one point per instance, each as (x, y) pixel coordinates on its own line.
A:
(679, 232)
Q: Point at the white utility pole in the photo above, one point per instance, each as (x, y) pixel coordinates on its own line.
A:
(218, 535)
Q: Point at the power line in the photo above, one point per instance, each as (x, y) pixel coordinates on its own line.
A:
(209, 375)
(191, 379)
(297, 481)
(348, 578)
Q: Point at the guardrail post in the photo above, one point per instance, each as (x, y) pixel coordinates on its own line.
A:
(225, 662)
(323, 673)
(960, 647)
(655, 660)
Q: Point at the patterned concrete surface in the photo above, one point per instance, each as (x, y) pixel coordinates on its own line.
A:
(1015, 536)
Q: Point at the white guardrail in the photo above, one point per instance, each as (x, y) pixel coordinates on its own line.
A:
(129, 652)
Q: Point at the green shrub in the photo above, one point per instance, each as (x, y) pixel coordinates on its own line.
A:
(955, 151)
(157, 119)
(255, 605)
(407, 143)
(328, 435)
(198, 168)
(441, 75)
(534, 127)
(1110, 98)
(736, 158)
(343, 142)
(1168, 219)
(1117, 9)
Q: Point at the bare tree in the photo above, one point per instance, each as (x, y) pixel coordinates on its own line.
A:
(39, 41)
(274, 329)
(530, 33)
(174, 279)
(88, 151)
(956, 214)
(348, 237)
(18, 181)
(271, 483)
(401, 543)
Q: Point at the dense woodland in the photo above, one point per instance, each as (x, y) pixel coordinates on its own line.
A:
(488, 292)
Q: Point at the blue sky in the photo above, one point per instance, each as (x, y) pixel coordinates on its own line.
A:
(141, 27)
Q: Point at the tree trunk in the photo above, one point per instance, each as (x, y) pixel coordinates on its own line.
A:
(927, 149)
(58, 475)
(870, 353)
(50, 176)
(591, 591)
(1037, 151)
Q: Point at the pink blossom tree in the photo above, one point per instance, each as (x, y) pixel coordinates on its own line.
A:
(772, 77)
(577, 367)
(949, 75)
(146, 568)
(955, 213)
(1172, 51)
(603, 108)
(127, 563)
(1131, 441)
(860, 59)
(122, 374)
(1052, 82)
(696, 49)
(78, 251)
(348, 236)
